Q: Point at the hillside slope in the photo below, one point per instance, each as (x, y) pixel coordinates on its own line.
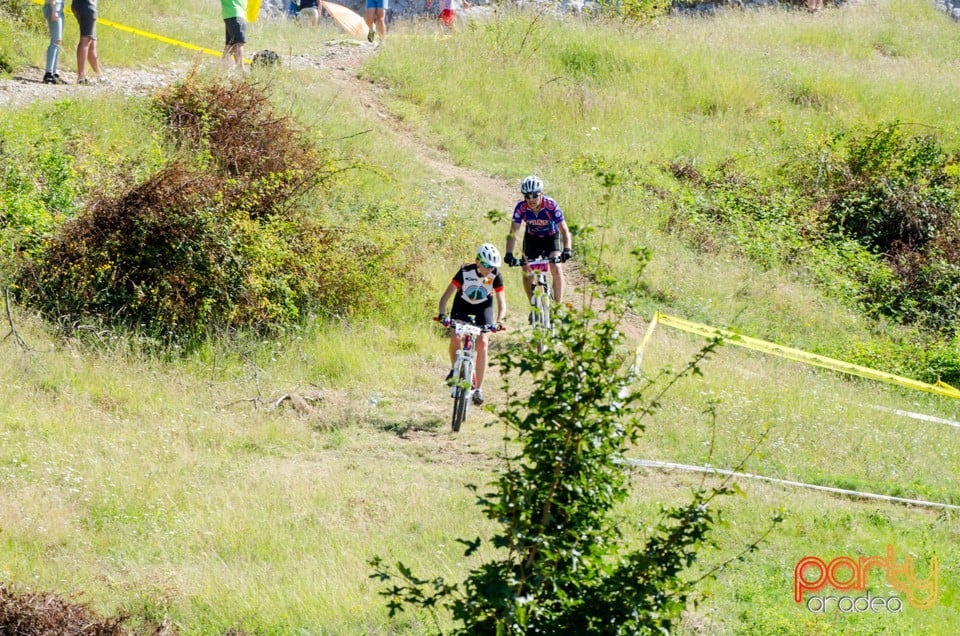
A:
(243, 489)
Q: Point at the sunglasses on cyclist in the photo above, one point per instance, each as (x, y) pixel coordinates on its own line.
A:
(532, 195)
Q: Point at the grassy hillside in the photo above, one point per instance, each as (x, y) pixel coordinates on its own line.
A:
(245, 484)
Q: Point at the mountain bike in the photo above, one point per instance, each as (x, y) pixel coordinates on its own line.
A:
(462, 380)
(540, 299)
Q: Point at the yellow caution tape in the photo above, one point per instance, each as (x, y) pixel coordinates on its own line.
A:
(161, 38)
(643, 345)
(154, 36)
(940, 388)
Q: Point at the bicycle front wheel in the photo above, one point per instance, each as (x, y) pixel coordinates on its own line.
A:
(461, 395)
(545, 318)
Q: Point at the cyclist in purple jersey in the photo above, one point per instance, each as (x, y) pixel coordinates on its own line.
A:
(546, 234)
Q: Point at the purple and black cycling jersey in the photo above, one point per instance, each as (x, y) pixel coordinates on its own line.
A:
(542, 223)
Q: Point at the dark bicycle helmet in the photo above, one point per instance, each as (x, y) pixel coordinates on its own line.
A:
(531, 185)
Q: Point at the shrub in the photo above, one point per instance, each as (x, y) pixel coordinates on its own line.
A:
(886, 188)
(563, 565)
(637, 11)
(27, 614)
(214, 241)
(231, 129)
(871, 215)
(38, 193)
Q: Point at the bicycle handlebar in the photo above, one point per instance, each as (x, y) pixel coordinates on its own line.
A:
(541, 260)
(464, 326)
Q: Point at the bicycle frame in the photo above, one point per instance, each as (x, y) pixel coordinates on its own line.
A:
(463, 370)
(541, 296)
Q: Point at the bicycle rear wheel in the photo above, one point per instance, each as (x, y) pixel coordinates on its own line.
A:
(461, 398)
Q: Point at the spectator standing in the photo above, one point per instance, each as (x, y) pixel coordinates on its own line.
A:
(235, 21)
(53, 12)
(447, 20)
(376, 16)
(85, 11)
(310, 12)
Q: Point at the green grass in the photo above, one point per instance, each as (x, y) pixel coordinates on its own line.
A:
(179, 490)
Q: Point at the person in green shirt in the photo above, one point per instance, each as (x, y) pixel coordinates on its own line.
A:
(235, 20)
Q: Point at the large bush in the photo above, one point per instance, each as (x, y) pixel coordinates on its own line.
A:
(216, 240)
(871, 216)
(565, 562)
(877, 207)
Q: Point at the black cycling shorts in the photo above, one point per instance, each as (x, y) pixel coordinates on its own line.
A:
(541, 246)
(479, 315)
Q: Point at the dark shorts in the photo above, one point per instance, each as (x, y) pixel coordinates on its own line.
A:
(236, 31)
(378, 4)
(481, 314)
(87, 19)
(537, 246)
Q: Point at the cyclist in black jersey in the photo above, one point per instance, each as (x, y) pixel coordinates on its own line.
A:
(475, 288)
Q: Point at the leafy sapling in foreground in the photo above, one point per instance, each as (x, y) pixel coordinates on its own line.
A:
(563, 566)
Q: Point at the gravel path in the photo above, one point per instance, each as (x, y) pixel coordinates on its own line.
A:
(26, 86)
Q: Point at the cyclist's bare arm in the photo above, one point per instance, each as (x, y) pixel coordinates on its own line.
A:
(565, 235)
(447, 295)
(501, 300)
(512, 237)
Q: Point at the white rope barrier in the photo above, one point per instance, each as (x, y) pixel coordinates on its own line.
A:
(648, 463)
(915, 416)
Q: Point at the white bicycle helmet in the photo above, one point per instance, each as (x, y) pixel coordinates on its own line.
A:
(531, 185)
(489, 256)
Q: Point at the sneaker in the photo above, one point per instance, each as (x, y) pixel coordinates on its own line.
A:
(371, 35)
(84, 81)
(48, 78)
(477, 397)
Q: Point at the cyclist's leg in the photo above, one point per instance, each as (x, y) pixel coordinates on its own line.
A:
(484, 318)
(481, 368)
(530, 250)
(454, 346)
(457, 312)
(556, 270)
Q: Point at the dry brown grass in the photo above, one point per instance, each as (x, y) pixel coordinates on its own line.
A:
(24, 614)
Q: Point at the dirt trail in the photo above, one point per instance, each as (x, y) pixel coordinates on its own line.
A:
(343, 67)
(340, 62)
